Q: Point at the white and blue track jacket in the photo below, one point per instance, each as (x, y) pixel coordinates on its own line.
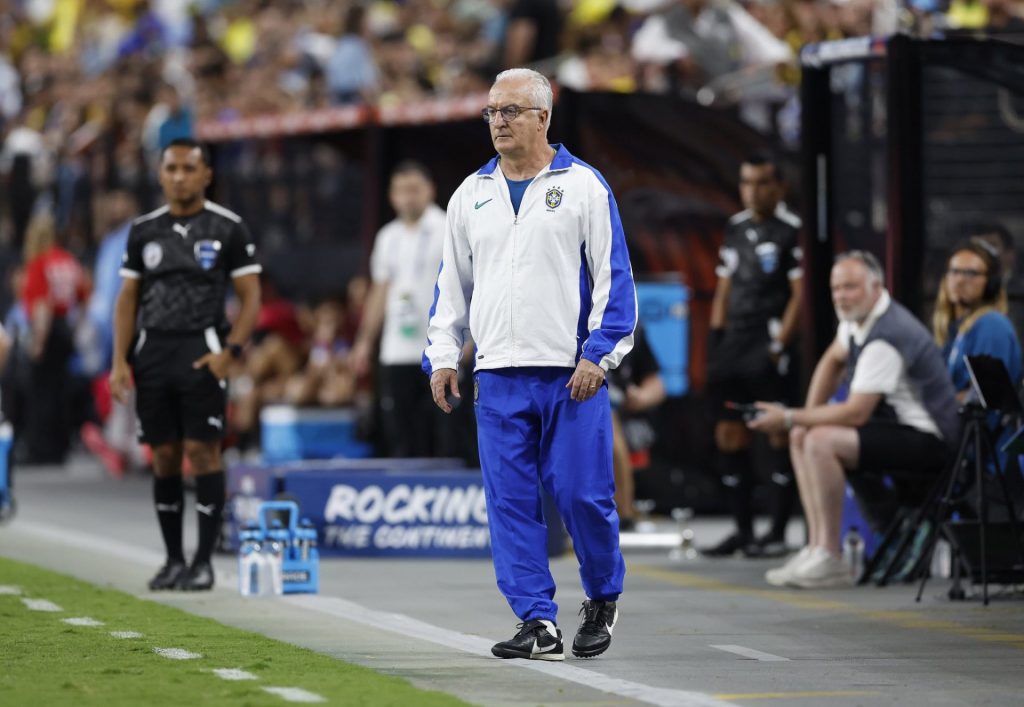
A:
(543, 288)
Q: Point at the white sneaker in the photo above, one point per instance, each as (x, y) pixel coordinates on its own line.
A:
(822, 570)
(779, 576)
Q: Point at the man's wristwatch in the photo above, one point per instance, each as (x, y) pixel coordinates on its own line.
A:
(235, 350)
(787, 419)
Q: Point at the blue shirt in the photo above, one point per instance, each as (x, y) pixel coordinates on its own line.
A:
(350, 69)
(991, 335)
(516, 189)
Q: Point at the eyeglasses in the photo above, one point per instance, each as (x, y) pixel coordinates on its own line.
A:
(965, 272)
(509, 113)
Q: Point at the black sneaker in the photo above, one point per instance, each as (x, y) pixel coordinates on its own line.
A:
(198, 577)
(595, 631)
(768, 546)
(168, 576)
(728, 547)
(536, 640)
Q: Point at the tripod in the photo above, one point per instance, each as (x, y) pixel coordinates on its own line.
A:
(975, 436)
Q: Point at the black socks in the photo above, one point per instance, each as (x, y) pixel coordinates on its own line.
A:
(209, 507)
(169, 499)
(735, 471)
(784, 492)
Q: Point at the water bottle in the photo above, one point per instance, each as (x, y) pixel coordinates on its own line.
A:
(248, 562)
(853, 552)
(263, 570)
(307, 533)
(275, 557)
(685, 550)
(294, 549)
(942, 559)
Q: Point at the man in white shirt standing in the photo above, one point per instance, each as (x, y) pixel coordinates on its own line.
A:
(403, 267)
(535, 265)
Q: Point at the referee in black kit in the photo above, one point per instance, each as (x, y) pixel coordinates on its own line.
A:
(754, 319)
(168, 332)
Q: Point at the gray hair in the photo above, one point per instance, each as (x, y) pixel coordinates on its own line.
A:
(537, 86)
(868, 260)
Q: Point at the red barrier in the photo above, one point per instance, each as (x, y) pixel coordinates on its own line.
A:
(435, 110)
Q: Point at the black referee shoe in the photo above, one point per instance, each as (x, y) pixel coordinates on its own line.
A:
(536, 640)
(595, 631)
(168, 576)
(198, 577)
(728, 547)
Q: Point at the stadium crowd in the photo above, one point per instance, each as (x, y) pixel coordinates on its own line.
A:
(89, 89)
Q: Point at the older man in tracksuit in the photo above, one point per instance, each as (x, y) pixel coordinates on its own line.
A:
(535, 266)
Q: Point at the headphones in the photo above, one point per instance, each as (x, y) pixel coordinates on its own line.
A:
(994, 269)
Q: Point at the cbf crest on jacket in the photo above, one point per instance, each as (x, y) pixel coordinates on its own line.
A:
(546, 287)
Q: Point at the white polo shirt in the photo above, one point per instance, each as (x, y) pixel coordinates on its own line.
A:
(406, 259)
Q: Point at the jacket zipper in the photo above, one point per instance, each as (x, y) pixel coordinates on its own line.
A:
(512, 289)
(512, 293)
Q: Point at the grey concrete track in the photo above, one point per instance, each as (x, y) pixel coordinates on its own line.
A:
(698, 633)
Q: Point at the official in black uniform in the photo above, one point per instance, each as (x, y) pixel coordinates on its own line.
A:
(169, 328)
(754, 317)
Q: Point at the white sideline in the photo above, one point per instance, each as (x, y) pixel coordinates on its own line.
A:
(294, 694)
(233, 674)
(751, 653)
(177, 653)
(413, 628)
(401, 625)
(94, 543)
(82, 621)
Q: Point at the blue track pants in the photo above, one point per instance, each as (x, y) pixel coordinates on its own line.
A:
(531, 433)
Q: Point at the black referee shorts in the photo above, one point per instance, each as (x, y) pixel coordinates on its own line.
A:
(175, 401)
(740, 370)
(768, 387)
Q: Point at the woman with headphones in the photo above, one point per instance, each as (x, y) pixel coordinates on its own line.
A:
(970, 313)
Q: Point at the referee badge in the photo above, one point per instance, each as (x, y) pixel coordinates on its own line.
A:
(152, 254)
(206, 253)
(768, 256)
(553, 198)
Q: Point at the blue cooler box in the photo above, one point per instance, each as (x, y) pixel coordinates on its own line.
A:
(291, 433)
(664, 309)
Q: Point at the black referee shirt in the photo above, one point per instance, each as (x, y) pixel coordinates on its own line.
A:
(184, 264)
(760, 259)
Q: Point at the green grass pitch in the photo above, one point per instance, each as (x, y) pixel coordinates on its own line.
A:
(44, 661)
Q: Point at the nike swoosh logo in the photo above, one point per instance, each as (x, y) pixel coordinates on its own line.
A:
(537, 649)
(206, 510)
(478, 204)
